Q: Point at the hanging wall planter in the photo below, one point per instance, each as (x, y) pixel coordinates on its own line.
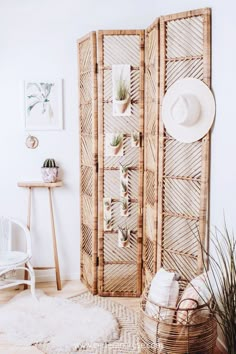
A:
(123, 237)
(124, 171)
(124, 206)
(107, 214)
(114, 145)
(124, 188)
(121, 90)
(135, 139)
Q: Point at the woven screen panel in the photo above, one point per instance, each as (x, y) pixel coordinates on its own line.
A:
(183, 168)
(88, 159)
(151, 150)
(120, 268)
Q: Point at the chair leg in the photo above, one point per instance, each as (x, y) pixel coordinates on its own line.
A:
(32, 279)
(26, 277)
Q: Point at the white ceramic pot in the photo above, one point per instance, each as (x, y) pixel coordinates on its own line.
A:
(115, 149)
(121, 106)
(49, 174)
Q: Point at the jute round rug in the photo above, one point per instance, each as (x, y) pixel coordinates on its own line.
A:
(128, 322)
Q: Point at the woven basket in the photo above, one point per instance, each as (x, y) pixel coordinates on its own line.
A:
(161, 331)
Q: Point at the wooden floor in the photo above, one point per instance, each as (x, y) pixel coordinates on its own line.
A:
(69, 289)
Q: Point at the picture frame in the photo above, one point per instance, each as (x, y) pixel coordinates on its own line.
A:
(43, 104)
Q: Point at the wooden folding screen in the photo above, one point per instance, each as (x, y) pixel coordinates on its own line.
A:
(168, 180)
(120, 268)
(151, 150)
(183, 168)
(88, 159)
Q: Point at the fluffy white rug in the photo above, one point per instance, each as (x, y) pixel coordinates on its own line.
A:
(66, 325)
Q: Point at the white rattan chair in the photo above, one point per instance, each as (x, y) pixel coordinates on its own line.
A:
(10, 260)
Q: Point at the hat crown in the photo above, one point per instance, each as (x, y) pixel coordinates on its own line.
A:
(185, 110)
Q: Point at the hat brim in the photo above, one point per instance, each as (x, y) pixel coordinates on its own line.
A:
(189, 134)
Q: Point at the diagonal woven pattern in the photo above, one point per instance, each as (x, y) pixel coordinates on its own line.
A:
(120, 268)
(88, 149)
(128, 321)
(183, 168)
(151, 145)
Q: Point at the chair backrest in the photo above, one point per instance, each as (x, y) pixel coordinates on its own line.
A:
(5, 234)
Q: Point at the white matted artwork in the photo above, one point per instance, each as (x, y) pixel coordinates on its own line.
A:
(114, 144)
(121, 90)
(43, 105)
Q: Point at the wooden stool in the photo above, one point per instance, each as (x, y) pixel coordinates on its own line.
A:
(49, 186)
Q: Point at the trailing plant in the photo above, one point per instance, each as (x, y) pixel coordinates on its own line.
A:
(116, 140)
(49, 163)
(121, 90)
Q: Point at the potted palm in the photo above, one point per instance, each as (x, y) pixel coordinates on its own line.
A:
(121, 95)
(116, 143)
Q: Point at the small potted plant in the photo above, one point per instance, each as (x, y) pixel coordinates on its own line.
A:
(124, 170)
(124, 188)
(115, 143)
(49, 171)
(108, 223)
(124, 206)
(123, 237)
(135, 138)
(107, 204)
(121, 95)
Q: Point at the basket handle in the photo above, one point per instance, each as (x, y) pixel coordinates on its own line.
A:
(189, 298)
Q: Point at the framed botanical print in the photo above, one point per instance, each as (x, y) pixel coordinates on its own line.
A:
(43, 105)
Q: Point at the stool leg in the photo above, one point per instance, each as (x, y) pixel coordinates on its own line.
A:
(28, 225)
(58, 278)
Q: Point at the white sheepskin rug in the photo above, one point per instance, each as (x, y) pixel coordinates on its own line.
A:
(62, 323)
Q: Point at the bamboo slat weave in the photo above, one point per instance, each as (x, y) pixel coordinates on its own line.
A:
(151, 150)
(88, 159)
(120, 268)
(183, 168)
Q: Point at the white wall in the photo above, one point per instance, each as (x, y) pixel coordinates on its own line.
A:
(38, 40)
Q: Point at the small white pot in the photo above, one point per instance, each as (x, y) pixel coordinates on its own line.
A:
(121, 106)
(49, 174)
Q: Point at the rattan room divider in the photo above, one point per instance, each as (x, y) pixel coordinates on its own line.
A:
(167, 180)
(88, 133)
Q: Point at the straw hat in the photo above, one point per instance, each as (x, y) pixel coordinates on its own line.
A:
(188, 110)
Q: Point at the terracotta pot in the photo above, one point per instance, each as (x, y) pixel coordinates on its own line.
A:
(49, 174)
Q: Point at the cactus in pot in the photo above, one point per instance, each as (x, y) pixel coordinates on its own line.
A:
(49, 171)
